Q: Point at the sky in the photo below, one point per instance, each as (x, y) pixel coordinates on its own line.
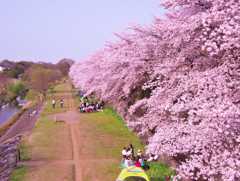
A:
(49, 30)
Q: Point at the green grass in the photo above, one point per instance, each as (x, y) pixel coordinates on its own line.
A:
(111, 133)
(24, 150)
(158, 171)
(32, 95)
(19, 174)
(44, 143)
(62, 87)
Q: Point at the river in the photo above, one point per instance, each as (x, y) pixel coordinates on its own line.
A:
(7, 112)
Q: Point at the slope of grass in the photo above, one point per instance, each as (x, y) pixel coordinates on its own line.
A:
(25, 150)
(32, 95)
(111, 135)
(110, 132)
(19, 174)
(12, 120)
(112, 126)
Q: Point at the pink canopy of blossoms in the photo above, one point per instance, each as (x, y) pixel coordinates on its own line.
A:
(177, 84)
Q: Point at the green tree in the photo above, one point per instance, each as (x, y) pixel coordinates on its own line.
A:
(16, 89)
(40, 78)
(14, 72)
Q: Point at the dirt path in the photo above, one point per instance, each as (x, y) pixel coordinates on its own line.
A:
(76, 162)
(77, 152)
(76, 159)
(71, 118)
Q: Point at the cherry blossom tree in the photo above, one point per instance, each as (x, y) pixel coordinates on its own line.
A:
(177, 84)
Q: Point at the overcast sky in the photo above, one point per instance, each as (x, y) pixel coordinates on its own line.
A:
(48, 30)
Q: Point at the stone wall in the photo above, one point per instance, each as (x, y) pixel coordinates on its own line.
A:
(9, 156)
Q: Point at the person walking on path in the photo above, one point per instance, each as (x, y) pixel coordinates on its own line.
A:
(53, 103)
(61, 103)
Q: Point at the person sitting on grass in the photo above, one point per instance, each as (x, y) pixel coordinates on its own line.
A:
(137, 162)
(89, 107)
(139, 153)
(129, 152)
(152, 158)
(144, 164)
(140, 160)
(128, 162)
(124, 153)
(131, 149)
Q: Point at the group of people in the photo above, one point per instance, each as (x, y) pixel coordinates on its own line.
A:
(54, 103)
(138, 159)
(87, 106)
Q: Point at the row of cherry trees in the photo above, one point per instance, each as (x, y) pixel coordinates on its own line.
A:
(177, 84)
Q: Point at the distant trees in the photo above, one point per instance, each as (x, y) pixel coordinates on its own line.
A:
(4, 80)
(16, 78)
(40, 78)
(15, 89)
(15, 69)
(64, 66)
(15, 72)
(10, 89)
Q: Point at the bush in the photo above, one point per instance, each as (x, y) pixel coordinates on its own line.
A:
(16, 89)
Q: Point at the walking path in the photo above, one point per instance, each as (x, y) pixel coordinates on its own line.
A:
(71, 118)
(74, 136)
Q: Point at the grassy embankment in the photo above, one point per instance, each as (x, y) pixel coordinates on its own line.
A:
(5, 126)
(109, 124)
(104, 135)
(48, 141)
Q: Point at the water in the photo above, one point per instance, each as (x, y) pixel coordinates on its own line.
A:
(6, 113)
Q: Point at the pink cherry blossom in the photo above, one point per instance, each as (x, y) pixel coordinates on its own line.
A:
(177, 84)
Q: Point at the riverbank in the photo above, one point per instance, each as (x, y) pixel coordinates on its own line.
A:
(7, 112)
(23, 121)
(78, 146)
(11, 121)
